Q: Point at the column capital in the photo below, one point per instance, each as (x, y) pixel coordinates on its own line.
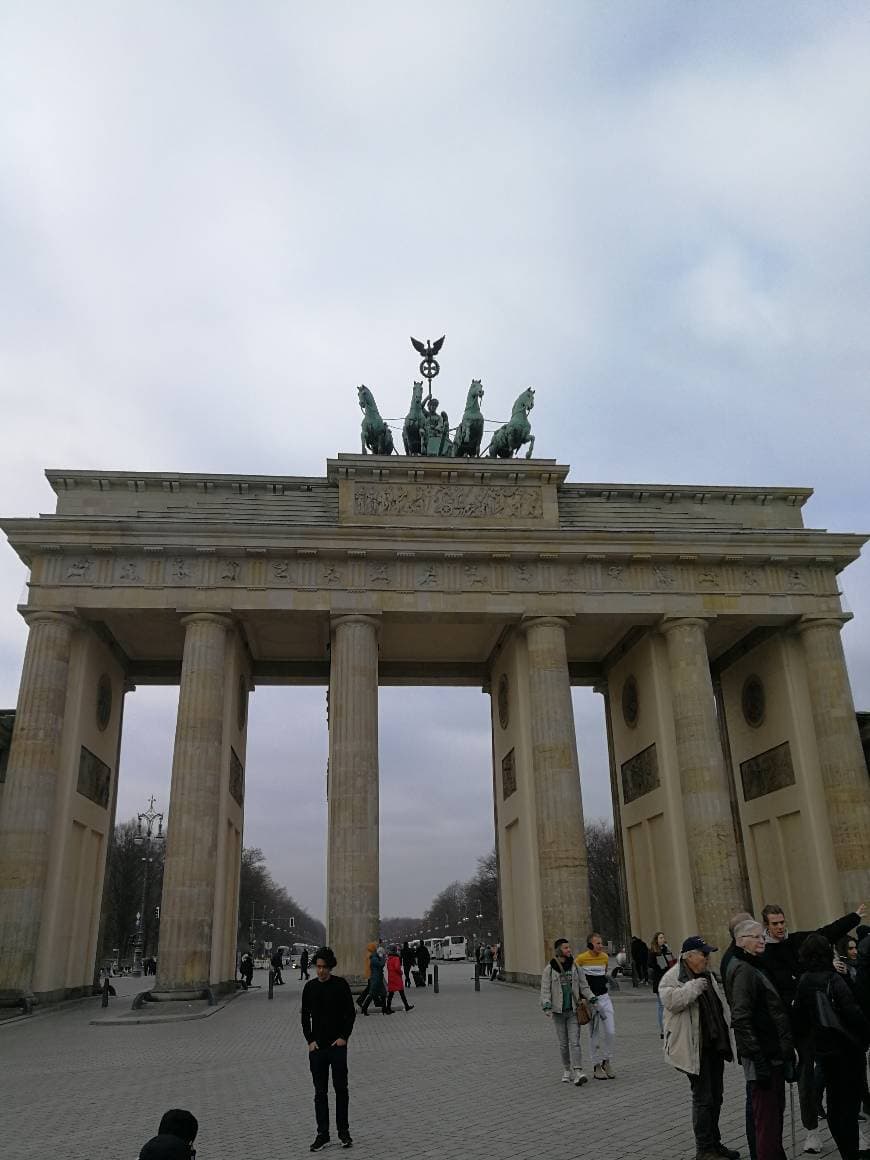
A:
(67, 617)
(602, 687)
(342, 618)
(528, 622)
(224, 620)
(667, 623)
(825, 620)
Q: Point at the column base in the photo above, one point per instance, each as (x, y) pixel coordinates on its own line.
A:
(17, 999)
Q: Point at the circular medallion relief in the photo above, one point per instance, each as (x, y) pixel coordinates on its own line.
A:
(242, 706)
(752, 701)
(630, 702)
(104, 701)
(504, 711)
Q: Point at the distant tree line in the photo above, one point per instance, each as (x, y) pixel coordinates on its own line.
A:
(472, 907)
(265, 908)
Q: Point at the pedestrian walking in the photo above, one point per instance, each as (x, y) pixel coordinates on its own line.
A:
(303, 964)
(409, 960)
(640, 955)
(486, 959)
(781, 962)
(376, 992)
(395, 981)
(697, 1040)
(174, 1139)
(423, 960)
(327, 1022)
(602, 1030)
(660, 960)
(277, 962)
(839, 1033)
(762, 1029)
(563, 989)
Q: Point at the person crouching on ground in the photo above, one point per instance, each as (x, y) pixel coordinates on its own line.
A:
(563, 986)
(174, 1139)
(327, 1022)
(697, 1040)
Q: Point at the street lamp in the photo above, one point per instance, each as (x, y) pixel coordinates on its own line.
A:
(144, 837)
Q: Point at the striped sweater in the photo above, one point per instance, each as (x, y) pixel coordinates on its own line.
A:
(595, 968)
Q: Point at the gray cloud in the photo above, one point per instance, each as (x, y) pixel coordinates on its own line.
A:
(214, 226)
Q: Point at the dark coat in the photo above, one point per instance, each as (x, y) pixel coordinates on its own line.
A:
(780, 959)
(303, 960)
(862, 975)
(409, 957)
(826, 1041)
(164, 1147)
(327, 1011)
(423, 957)
(759, 1019)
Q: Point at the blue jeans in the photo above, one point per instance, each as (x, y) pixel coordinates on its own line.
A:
(568, 1035)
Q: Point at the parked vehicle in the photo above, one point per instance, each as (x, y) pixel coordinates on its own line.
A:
(452, 946)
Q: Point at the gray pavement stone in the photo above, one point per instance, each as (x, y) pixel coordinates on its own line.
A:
(466, 1075)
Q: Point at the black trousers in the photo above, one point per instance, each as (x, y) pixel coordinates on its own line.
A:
(320, 1061)
(843, 1085)
(707, 1089)
(401, 995)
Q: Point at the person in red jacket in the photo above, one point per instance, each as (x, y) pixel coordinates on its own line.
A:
(395, 981)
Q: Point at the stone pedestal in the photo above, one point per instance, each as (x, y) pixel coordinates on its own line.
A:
(352, 845)
(187, 907)
(709, 828)
(556, 774)
(841, 759)
(29, 795)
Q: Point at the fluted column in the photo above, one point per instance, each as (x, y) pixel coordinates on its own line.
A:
(562, 860)
(353, 910)
(841, 758)
(30, 792)
(709, 828)
(187, 905)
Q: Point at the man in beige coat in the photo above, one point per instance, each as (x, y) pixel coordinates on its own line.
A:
(563, 985)
(697, 1041)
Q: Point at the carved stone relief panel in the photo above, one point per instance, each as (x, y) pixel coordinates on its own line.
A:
(640, 774)
(94, 779)
(767, 772)
(508, 775)
(450, 501)
(237, 778)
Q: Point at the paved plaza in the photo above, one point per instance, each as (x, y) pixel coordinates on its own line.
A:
(464, 1075)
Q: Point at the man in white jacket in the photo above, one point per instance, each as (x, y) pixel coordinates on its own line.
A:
(563, 985)
(697, 1041)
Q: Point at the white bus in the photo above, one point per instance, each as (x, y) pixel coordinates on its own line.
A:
(432, 945)
(452, 946)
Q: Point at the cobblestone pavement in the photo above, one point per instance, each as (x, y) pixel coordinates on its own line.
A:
(464, 1075)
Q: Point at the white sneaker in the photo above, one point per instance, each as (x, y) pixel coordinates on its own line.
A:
(566, 1076)
(580, 1077)
(608, 1070)
(813, 1144)
(599, 1072)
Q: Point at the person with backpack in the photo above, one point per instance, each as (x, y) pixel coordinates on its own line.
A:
(840, 1033)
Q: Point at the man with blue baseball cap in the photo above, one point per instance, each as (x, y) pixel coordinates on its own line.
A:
(697, 1040)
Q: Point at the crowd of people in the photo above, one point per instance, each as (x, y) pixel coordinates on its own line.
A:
(792, 1007)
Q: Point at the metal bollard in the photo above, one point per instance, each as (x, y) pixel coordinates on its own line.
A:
(477, 976)
(435, 976)
(104, 1002)
(271, 984)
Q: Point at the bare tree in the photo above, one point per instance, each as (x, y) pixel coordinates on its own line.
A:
(604, 879)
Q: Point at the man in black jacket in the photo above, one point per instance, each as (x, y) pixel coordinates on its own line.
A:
(780, 961)
(762, 1030)
(327, 1022)
(174, 1139)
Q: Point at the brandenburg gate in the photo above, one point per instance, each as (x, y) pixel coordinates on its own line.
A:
(708, 617)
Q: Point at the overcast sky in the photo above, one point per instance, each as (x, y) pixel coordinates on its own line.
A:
(218, 219)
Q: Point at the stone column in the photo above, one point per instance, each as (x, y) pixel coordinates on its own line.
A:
(709, 829)
(562, 860)
(353, 904)
(841, 758)
(187, 905)
(30, 793)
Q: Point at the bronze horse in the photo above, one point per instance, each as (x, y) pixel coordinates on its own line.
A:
(510, 437)
(412, 432)
(376, 435)
(469, 433)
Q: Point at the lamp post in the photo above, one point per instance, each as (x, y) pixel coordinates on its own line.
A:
(144, 837)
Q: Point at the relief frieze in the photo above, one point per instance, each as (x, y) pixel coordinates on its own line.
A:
(640, 774)
(457, 501)
(767, 772)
